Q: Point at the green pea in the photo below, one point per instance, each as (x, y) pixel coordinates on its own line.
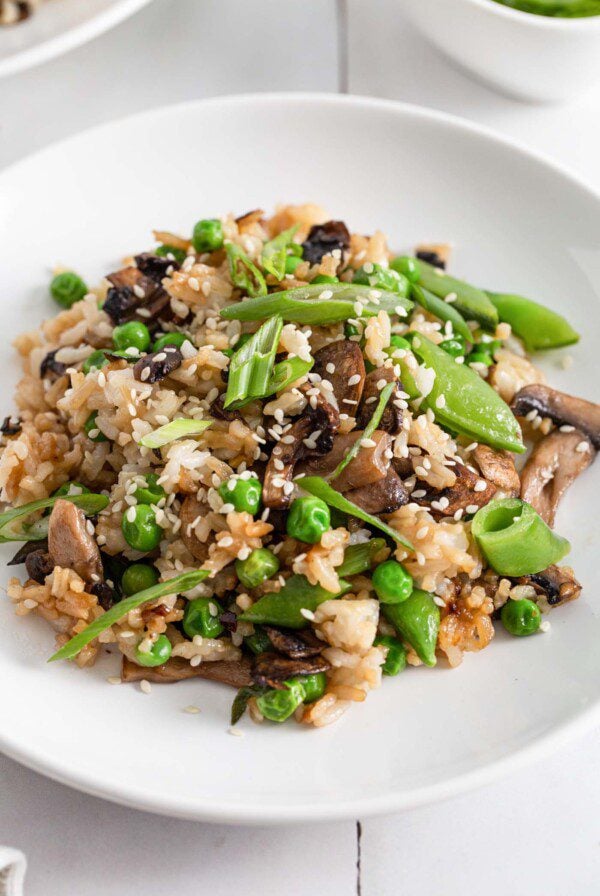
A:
(244, 494)
(165, 251)
(313, 685)
(407, 266)
(201, 617)
(255, 569)
(308, 519)
(158, 654)
(395, 661)
(133, 334)
(384, 278)
(90, 427)
(325, 278)
(454, 347)
(479, 358)
(94, 362)
(138, 577)
(417, 620)
(259, 642)
(392, 583)
(169, 339)
(140, 529)
(521, 617)
(70, 488)
(291, 263)
(208, 235)
(279, 705)
(399, 342)
(151, 493)
(67, 288)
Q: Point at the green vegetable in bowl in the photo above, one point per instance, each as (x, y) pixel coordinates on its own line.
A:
(285, 607)
(207, 235)
(260, 565)
(244, 494)
(201, 617)
(538, 327)
(251, 366)
(138, 577)
(392, 583)
(244, 273)
(13, 525)
(395, 661)
(443, 310)
(308, 519)
(566, 9)
(67, 288)
(140, 529)
(472, 303)
(274, 253)
(521, 617)
(176, 429)
(417, 620)
(133, 334)
(158, 654)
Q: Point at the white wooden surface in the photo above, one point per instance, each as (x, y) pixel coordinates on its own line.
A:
(534, 834)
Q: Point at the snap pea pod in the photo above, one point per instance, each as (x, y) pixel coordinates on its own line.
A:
(538, 327)
(514, 538)
(177, 585)
(471, 302)
(444, 310)
(284, 607)
(464, 402)
(417, 620)
(360, 557)
(319, 303)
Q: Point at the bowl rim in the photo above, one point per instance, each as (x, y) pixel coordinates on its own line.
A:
(533, 20)
(198, 808)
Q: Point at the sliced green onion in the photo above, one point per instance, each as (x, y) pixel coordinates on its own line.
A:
(370, 428)
(89, 503)
(320, 303)
(240, 702)
(274, 252)
(251, 366)
(244, 274)
(360, 557)
(316, 486)
(177, 585)
(174, 430)
(287, 372)
(442, 309)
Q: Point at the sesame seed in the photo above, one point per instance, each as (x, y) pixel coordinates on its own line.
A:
(114, 679)
(419, 493)
(145, 686)
(480, 486)
(330, 367)
(235, 732)
(451, 297)
(440, 401)
(130, 515)
(368, 443)
(326, 294)
(354, 379)
(472, 508)
(144, 312)
(308, 614)
(192, 710)
(138, 291)
(582, 447)
(545, 626)
(567, 428)
(458, 515)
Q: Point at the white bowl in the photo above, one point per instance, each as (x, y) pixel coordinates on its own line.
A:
(532, 57)
(58, 26)
(519, 224)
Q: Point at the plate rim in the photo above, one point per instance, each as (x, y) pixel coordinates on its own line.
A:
(68, 40)
(207, 810)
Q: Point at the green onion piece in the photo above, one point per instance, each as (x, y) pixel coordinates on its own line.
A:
(274, 252)
(442, 309)
(240, 702)
(285, 607)
(174, 430)
(251, 366)
(244, 274)
(320, 303)
(14, 528)
(360, 557)
(287, 372)
(177, 585)
(370, 428)
(316, 486)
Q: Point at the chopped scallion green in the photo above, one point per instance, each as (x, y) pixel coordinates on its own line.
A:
(251, 366)
(174, 430)
(244, 274)
(274, 252)
(14, 528)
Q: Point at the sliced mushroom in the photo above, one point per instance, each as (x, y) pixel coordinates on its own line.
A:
(218, 409)
(10, 426)
(465, 494)
(157, 365)
(343, 365)
(50, 365)
(553, 466)
(384, 496)
(436, 254)
(190, 510)
(155, 266)
(28, 547)
(106, 595)
(556, 583)
(134, 295)
(296, 645)
(70, 544)
(560, 408)
(370, 464)
(39, 564)
(323, 419)
(272, 669)
(236, 674)
(391, 420)
(498, 467)
(323, 239)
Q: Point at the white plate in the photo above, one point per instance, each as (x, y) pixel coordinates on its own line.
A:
(518, 223)
(58, 26)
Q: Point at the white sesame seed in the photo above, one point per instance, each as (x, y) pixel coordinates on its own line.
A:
(440, 401)
(235, 732)
(458, 515)
(368, 443)
(326, 294)
(130, 515)
(330, 367)
(451, 297)
(114, 679)
(354, 379)
(472, 508)
(145, 686)
(144, 312)
(545, 626)
(419, 493)
(192, 710)
(480, 486)
(308, 614)
(582, 447)
(566, 428)
(138, 291)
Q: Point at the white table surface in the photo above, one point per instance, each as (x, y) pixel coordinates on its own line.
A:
(536, 833)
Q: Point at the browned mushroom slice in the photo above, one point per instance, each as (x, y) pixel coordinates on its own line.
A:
(323, 239)
(370, 464)
(296, 645)
(560, 408)
(133, 294)
(465, 494)
(554, 464)
(272, 669)
(218, 409)
(342, 364)
(498, 467)
(392, 416)
(384, 496)
(236, 674)
(190, 510)
(556, 583)
(155, 266)
(436, 254)
(70, 544)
